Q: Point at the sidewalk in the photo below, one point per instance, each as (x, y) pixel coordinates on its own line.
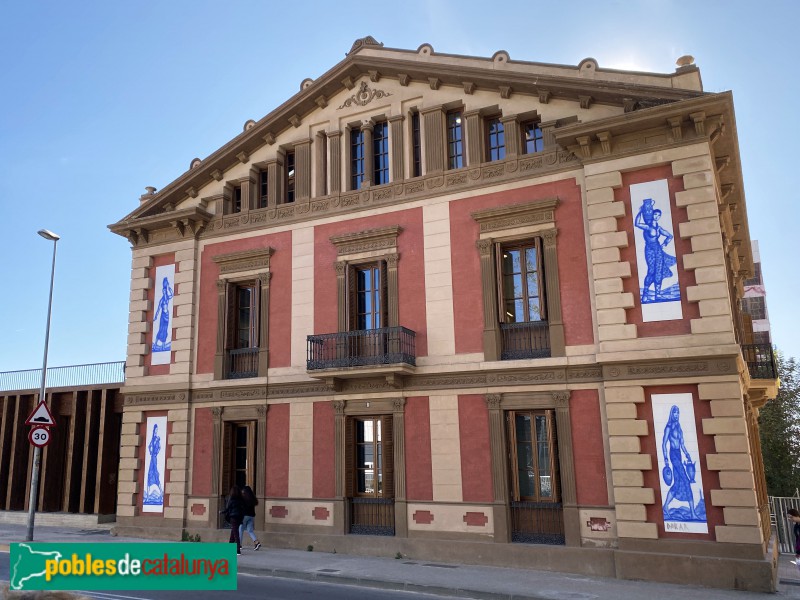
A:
(468, 581)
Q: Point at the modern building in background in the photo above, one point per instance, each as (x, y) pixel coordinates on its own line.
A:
(463, 308)
(754, 302)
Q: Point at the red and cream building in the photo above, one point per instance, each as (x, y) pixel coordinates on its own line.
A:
(424, 307)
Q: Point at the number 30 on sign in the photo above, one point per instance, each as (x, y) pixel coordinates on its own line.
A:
(39, 436)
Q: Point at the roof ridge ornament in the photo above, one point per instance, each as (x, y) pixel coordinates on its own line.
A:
(365, 41)
(364, 96)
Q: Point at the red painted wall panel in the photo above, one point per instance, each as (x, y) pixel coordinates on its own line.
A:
(324, 469)
(705, 443)
(691, 310)
(419, 475)
(202, 452)
(158, 261)
(572, 263)
(587, 441)
(476, 458)
(280, 298)
(410, 271)
(278, 451)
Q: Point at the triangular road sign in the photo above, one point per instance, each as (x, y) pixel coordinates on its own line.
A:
(41, 416)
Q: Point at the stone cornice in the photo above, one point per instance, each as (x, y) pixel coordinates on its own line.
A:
(516, 215)
(185, 222)
(383, 238)
(562, 82)
(247, 260)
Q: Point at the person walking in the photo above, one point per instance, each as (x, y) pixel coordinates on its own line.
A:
(234, 513)
(248, 523)
(794, 516)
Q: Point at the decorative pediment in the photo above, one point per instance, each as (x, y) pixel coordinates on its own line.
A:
(383, 238)
(187, 222)
(247, 260)
(516, 215)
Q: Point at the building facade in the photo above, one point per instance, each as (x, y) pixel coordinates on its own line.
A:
(457, 307)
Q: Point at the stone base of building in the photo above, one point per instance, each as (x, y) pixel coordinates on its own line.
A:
(726, 566)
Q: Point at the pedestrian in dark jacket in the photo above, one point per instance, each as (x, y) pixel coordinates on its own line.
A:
(234, 512)
(794, 515)
(250, 503)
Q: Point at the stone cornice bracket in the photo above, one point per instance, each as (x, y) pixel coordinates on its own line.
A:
(404, 79)
(561, 399)
(516, 215)
(434, 82)
(382, 238)
(629, 104)
(295, 120)
(374, 75)
(720, 162)
(726, 190)
(699, 120)
(191, 192)
(506, 91)
(544, 96)
(469, 87)
(348, 82)
(338, 407)
(586, 101)
(584, 143)
(675, 126)
(243, 157)
(321, 101)
(364, 96)
(605, 138)
(269, 138)
(248, 260)
(216, 175)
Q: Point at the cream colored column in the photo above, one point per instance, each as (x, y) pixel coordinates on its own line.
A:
(129, 463)
(302, 293)
(732, 459)
(628, 462)
(445, 449)
(707, 258)
(185, 305)
(438, 280)
(301, 449)
(138, 323)
(178, 463)
(607, 268)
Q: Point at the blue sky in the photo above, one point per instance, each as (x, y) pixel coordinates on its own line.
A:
(100, 99)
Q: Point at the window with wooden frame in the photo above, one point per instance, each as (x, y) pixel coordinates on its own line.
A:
(367, 296)
(242, 338)
(356, 159)
(495, 139)
(290, 177)
(520, 281)
(533, 452)
(532, 137)
(455, 140)
(416, 146)
(380, 153)
(238, 455)
(263, 188)
(369, 457)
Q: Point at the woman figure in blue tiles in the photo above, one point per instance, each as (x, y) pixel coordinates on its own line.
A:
(160, 342)
(658, 261)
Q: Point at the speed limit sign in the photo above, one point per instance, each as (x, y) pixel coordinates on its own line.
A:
(39, 436)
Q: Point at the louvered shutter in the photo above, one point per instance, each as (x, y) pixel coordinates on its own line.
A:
(554, 478)
(227, 459)
(349, 457)
(387, 450)
(384, 312)
(498, 275)
(231, 307)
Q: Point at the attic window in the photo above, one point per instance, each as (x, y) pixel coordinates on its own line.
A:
(237, 200)
(290, 177)
(532, 138)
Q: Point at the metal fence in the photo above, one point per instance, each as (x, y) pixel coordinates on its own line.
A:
(783, 525)
(362, 347)
(525, 340)
(57, 377)
(243, 363)
(760, 361)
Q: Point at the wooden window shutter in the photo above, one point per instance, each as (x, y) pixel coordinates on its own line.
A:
(555, 476)
(231, 307)
(498, 275)
(384, 275)
(227, 459)
(255, 316)
(512, 454)
(387, 450)
(541, 279)
(349, 457)
(352, 299)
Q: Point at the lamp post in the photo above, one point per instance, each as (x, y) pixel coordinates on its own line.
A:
(37, 451)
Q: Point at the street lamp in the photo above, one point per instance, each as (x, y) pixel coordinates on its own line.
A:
(37, 451)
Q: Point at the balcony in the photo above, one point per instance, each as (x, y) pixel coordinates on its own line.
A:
(760, 361)
(525, 340)
(388, 349)
(241, 363)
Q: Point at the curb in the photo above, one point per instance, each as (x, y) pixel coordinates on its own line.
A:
(400, 586)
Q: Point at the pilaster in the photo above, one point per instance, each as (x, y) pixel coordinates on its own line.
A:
(435, 155)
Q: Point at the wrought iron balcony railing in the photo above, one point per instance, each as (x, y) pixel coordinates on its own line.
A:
(384, 346)
(525, 340)
(71, 376)
(242, 363)
(760, 361)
